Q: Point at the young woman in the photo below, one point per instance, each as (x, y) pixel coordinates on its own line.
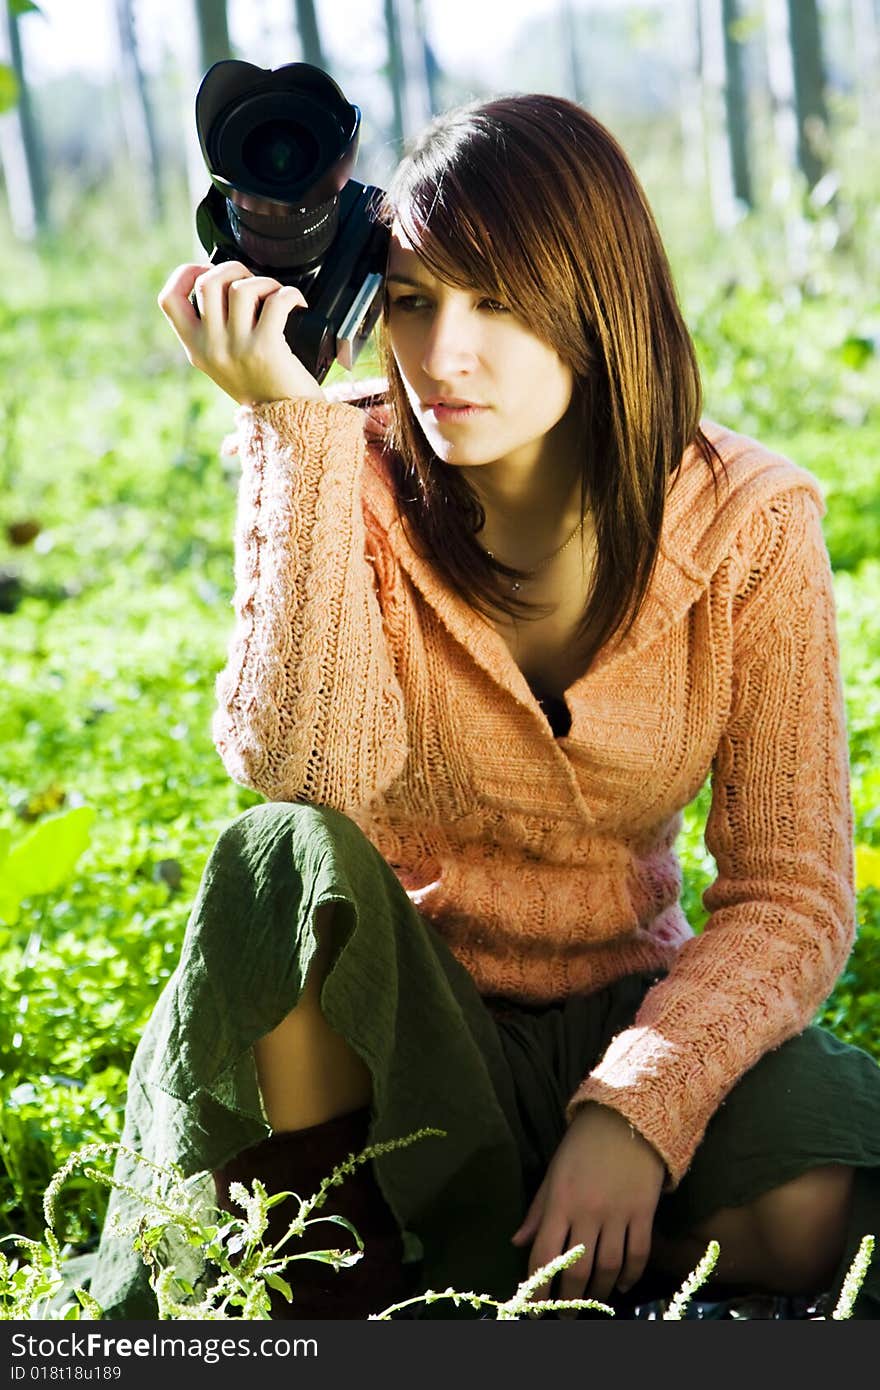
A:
(495, 626)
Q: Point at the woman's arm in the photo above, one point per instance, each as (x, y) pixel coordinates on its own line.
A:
(308, 704)
(782, 906)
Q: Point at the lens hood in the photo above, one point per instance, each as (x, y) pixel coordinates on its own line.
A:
(274, 140)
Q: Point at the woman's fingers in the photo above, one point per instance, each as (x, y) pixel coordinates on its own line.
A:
(532, 1218)
(607, 1263)
(235, 332)
(173, 299)
(552, 1240)
(212, 297)
(637, 1254)
(259, 306)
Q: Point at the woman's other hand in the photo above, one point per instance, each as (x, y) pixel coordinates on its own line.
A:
(237, 337)
(601, 1190)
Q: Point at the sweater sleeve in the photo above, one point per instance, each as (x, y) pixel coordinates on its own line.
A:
(308, 705)
(782, 910)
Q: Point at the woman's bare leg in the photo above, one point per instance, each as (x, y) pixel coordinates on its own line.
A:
(788, 1241)
(307, 1073)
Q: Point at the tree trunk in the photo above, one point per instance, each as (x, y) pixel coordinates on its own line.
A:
(694, 165)
(714, 87)
(865, 17)
(570, 53)
(137, 111)
(213, 32)
(208, 44)
(432, 67)
(780, 76)
(21, 152)
(309, 33)
(809, 88)
(736, 103)
(427, 64)
(417, 111)
(395, 74)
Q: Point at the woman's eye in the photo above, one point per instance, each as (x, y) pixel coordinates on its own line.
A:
(414, 303)
(408, 302)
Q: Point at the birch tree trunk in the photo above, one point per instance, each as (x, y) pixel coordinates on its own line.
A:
(432, 68)
(809, 88)
(395, 73)
(408, 63)
(712, 71)
(208, 43)
(309, 33)
(780, 76)
(694, 165)
(21, 153)
(866, 46)
(137, 111)
(570, 52)
(213, 32)
(736, 103)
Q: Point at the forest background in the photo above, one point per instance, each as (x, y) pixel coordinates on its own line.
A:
(753, 125)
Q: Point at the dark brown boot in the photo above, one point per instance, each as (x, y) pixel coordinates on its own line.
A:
(298, 1161)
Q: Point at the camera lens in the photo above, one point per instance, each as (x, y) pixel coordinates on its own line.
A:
(280, 146)
(299, 239)
(279, 152)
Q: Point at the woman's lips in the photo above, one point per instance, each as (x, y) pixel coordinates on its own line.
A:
(456, 412)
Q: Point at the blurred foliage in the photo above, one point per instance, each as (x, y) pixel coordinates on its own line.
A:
(116, 523)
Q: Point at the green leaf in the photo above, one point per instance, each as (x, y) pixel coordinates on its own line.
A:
(278, 1197)
(9, 904)
(151, 1238)
(9, 88)
(276, 1282)
(45, 858)
(343, 1221)
(20, 7)
(331, 1256)
(855, 351)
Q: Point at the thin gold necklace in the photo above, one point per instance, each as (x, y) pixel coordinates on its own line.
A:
(517, 584)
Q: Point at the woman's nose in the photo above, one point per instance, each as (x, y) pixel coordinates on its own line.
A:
(450, 347)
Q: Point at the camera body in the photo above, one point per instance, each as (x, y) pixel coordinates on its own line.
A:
(279, 145)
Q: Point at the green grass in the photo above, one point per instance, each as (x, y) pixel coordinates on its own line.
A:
(111, 441)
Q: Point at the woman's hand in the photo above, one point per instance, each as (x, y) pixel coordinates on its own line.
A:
(239, 339)
(601, 1190)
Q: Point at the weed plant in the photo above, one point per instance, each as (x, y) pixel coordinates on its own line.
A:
(241, 1268)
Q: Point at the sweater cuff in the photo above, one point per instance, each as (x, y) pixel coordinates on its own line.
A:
(648, 1103)
(298, 415)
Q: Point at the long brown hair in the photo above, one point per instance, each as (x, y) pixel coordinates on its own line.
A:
(530, 200)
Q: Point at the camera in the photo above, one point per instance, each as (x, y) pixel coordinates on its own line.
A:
(280, 145)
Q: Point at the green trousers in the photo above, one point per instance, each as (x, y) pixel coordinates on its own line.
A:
(494, 1077)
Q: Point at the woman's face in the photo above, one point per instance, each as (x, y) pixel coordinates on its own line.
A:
(457, 345)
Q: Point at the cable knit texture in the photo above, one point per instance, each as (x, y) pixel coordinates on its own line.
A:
(357, 679)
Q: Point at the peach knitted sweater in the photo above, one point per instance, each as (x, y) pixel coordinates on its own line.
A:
(357, 679)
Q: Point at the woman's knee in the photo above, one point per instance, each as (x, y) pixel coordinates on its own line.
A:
(803, 1223)
(307, 1072)
(284, 838)
(280, 813)
(271, 850)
